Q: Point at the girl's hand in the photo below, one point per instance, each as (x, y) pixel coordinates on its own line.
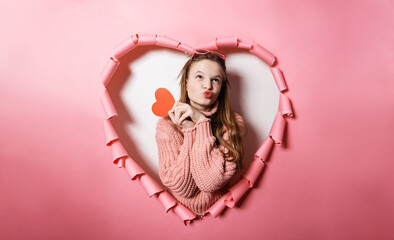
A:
(181, 111)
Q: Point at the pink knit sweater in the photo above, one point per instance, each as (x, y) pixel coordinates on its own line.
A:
(191, 165)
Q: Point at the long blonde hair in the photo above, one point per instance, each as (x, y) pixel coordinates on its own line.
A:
(224, 116)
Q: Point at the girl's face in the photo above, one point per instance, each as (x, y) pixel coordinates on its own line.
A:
(203, 83)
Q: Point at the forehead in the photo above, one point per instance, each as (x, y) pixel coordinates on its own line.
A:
(208, 67)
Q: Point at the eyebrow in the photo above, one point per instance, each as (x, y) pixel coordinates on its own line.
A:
(204, 73)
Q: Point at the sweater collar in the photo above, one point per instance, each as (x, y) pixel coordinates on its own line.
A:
(213, 109)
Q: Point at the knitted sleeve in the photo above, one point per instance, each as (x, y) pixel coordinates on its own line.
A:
(174, 158)
(210, 167)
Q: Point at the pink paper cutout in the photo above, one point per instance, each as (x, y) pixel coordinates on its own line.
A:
(133, 169)
(109, 70)
(108, 106)
(121, 158)
(230, 41)
(254, 171)
(278, 76)
(186, 48)
(146, 39)
(166, 200)
(264, 149)
(167, 42)
(124, 47)
(209, 46)
(184, 213)
(244, 45)
(110, 133)
(285, 106)
(278, 129)
(120, 162)
(150, 185)
(263, 54)
(118, 151)
(237, 191)
(218, 206)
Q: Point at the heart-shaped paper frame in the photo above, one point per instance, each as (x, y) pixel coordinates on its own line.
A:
(247, 180)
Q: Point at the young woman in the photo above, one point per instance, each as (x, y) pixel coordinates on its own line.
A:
(200, 142)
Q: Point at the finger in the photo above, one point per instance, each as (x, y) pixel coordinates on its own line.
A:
(171, 115)
(179, 111)
(184, 116)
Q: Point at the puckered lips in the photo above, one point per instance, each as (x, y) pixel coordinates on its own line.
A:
(207, 94)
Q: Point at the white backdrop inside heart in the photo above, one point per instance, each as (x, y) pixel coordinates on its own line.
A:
(253, 94)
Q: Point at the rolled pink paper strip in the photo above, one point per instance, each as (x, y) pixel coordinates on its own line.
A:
(263, 54)
(244, 45)
(285, 106)
(118, 151)
(185, 48)
(264, 149)
(166, 200)
(184, 213)
(109, 132)
(120, 162)
(132, 168)
(218, 206)
(278, 129)
(254, 171)
(108, 106)
(278, 76)
(146, 39)
(230, 41)
(151, 187)
(166, 42)
(237, 191)
(134, 37)
(209, 46)
(109, 70)
(124, 47)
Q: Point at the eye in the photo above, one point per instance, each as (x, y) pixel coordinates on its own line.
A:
(199, 76)
(216, 80)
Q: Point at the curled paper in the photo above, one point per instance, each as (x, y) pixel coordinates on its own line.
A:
(165, 41)
(244, 45)
(285, 106)
(184, 213)
(109, 70)
(264, 149)
(133, 169)
(263, 54)
(231, 41)
(278, 128)
(185, 48)
(124, 47)
(110, 133)
(118, 151)
(146, 39)
(237, 191)
(254, 171)
(135, 39)
(108, 106)
(278, 76)
(120, 162)
(218, 206)
(209, 46)
(150, 185)
(166, 200)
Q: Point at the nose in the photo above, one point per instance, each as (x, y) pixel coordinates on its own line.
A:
(207, 84)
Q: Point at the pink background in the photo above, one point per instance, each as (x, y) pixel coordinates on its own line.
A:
(332, 181)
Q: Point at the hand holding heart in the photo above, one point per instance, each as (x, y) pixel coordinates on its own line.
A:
(181, 111)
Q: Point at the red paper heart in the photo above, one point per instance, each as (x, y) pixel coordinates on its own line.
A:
(164, 102)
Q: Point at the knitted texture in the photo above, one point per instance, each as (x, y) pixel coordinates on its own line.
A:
(191, 165)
